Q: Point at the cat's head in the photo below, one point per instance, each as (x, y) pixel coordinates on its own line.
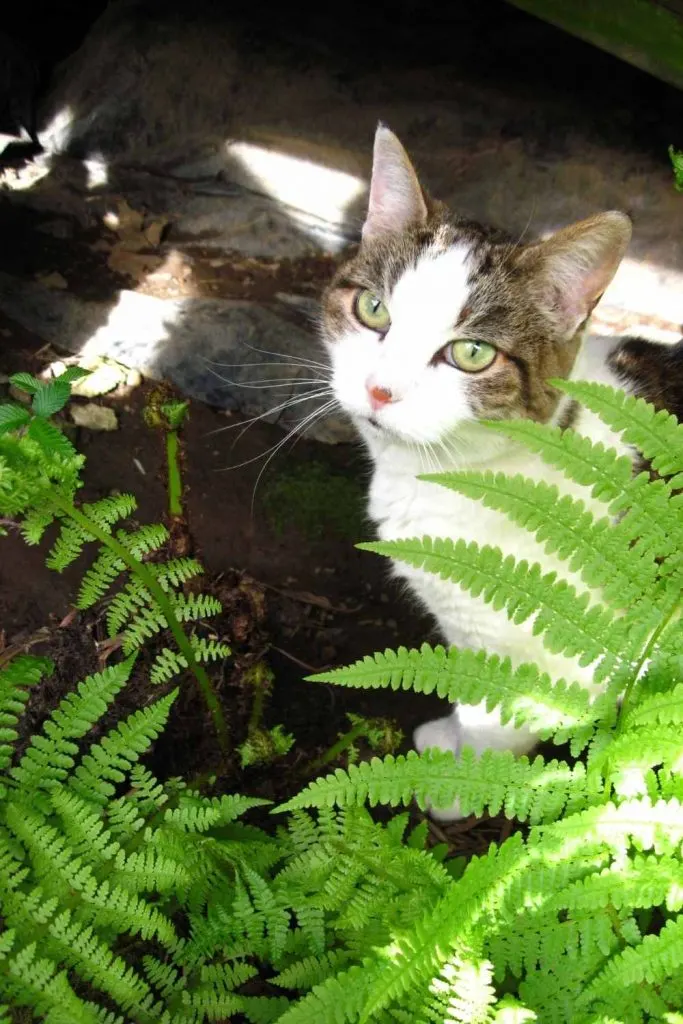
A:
(437, 321)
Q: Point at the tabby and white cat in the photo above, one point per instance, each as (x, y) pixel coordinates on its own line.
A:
(438, 322)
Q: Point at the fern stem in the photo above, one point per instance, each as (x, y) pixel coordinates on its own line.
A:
(175, 483)
(346, 740)
(162, 600)
(649, 647)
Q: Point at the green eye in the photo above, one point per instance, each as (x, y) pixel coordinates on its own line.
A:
(372, 312)
(470, 356)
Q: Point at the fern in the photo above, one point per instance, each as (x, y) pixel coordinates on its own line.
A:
(576, 918)
(127, 899)
(495, 782)
(39, 479)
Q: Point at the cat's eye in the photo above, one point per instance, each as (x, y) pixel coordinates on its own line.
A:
(470, 356)
(371, 311)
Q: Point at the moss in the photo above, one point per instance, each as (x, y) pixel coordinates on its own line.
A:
(316, 500)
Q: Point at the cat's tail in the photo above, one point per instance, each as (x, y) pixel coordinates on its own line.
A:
(652, 371)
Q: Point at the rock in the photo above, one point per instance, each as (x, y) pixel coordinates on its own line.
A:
(94, 417)
(105, 377)
(57, 228)
(272, 144)
(18, 88)
(211, 349)
(265, 151)
(53, 280)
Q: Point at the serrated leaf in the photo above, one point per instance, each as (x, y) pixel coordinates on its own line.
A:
(25, 382)
(50, 398)
(50, 439)
(12, 417)
(72, 374)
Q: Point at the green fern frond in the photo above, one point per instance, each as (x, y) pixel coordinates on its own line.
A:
(106, 762)
(276, 918)
(312, 970)
(525, 695)
(656, 958)
(35, 523)
(81, 948)
(50, 754)
(336, 1000)
(496, 782)
(193, 607)
(569, 624)
(68, 546)
(169, 663)
(99, 578)
(15, 682)
(145, 540)
(165, 977)
(150, 620)
(195, 814)
(108, 511)
(594, 547)
(125, 605)
(657, 434)
(463, 992)
(644, 881)
(664, 708)
(650, 517)
(649, 824)
(177, 571)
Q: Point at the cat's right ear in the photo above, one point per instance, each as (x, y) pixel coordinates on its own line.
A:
(571, 269)
(396, 198)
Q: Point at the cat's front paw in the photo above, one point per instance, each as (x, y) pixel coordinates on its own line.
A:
(441, 732)
(444, 734)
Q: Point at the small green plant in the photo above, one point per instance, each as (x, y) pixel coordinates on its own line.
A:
(381, 735)
(676, 157)
(169, 417)
(39, 478)
(579, 919)
(315, 500)
(262, 744)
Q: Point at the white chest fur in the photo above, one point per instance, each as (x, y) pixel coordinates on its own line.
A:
(402, 506)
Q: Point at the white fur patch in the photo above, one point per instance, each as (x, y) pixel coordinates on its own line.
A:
(429, 400)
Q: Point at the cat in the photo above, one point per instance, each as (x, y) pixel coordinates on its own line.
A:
(437, 323)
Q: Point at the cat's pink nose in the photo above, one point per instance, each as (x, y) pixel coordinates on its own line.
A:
(379, 396)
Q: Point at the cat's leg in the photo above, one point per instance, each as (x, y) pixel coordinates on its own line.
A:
(483, 730)
(470, 725)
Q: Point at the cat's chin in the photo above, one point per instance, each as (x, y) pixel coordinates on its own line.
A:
(371, 426)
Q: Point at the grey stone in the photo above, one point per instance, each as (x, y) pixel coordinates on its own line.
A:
(94, 417)
(215, 350)
(269, 151)
(266, 153)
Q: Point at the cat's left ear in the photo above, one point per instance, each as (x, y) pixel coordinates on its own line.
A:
(572, 268)
(396, 197)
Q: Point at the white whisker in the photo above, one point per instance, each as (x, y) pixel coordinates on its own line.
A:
(294, 400)
(299, 430)
(292, 358)
(271, 382)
